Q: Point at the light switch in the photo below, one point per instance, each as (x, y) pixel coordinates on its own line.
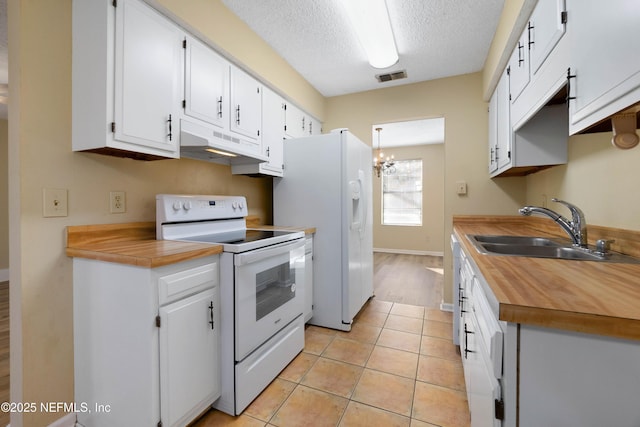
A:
(54, 202)
(461, 188)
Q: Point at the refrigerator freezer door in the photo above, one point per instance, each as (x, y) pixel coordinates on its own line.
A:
(359, 256)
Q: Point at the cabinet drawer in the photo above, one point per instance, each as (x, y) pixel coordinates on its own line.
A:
(187, 282)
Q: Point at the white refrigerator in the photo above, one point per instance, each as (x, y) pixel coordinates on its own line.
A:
(327, 185)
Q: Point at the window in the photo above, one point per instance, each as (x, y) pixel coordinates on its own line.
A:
(402, 194)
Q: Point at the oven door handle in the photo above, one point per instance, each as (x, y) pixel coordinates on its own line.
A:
(260, 254)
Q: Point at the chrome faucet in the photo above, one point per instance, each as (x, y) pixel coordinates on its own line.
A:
(576, 228)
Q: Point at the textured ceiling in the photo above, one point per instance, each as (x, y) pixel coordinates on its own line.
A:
(435, 39)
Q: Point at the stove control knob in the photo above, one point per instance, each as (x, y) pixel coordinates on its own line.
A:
(177, 205)
(234, 205)
(241, 205)
(187, 205)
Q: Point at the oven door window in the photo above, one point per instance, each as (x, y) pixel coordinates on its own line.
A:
(269, 293)
(274, 288)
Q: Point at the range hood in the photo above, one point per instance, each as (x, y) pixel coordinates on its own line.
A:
(204, 143)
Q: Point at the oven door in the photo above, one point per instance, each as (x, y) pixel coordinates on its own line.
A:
(268, 291)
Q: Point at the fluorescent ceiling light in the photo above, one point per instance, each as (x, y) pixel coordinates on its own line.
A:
(370, 20)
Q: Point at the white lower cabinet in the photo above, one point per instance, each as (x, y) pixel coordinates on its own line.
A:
(146, 342)
(530, 376)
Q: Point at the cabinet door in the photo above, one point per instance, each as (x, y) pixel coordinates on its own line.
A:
(519, 68)
(604, 59)
(148, 63)
(493, 131)
(315, 127)
(296, 125)
(189, 355)
(483, 389)
(272, 130)
(206, 84)
(499, 127)
(246, 105)
(546, 27)
(503, 133)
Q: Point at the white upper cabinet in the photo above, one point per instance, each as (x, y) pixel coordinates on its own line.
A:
(295, 121)
(604, 59)
(127, 72)
(298, 123)
(246, 104)
(546, 27)
(272, 137)
(499, 128)
(206, 84)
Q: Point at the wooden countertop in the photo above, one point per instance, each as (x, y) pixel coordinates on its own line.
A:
(136, 244)
(584, 296)
(132, 243)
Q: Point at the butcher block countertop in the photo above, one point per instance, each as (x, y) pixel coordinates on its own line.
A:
(132, 243)
(583, 296)
(135, 243)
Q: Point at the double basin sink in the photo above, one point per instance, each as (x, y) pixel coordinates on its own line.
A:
(542, 247)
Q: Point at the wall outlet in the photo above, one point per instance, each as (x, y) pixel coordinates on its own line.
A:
(54, 202)
(117, 202)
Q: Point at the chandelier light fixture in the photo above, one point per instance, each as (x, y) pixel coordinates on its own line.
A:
(380, 163)
(370, 20)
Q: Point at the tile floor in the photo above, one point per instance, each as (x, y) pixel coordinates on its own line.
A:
(397, 367)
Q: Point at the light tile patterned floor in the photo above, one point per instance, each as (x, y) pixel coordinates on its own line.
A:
(397, 367)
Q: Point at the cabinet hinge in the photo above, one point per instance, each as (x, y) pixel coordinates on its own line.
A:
(563, 17)
(184, 103)
(113, 127)
(258, 89)
(258, 132)
(184, 43)
(509, 154)
(115, 3)
(498, 409)
(284, 106)
(158, 325)
(159, 423)
(508, 70)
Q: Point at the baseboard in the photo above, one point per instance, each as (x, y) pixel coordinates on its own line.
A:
(445, 306)
(408, 252)
(4, 275)
(68, 420)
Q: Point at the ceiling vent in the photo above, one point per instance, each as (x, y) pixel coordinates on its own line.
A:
(396, 75)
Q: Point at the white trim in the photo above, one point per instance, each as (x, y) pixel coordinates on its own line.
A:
(408, 252)
(445, 306)
(68, 420)
(4, 275)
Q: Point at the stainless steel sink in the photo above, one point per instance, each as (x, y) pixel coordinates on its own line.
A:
(541, 247)
(518, 240)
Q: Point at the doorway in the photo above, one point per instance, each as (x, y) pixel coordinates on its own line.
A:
(408, 203)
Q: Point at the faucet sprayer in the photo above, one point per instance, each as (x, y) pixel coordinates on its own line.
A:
(576, 228)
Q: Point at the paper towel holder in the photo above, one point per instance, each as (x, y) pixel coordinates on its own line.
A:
(624, 130)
